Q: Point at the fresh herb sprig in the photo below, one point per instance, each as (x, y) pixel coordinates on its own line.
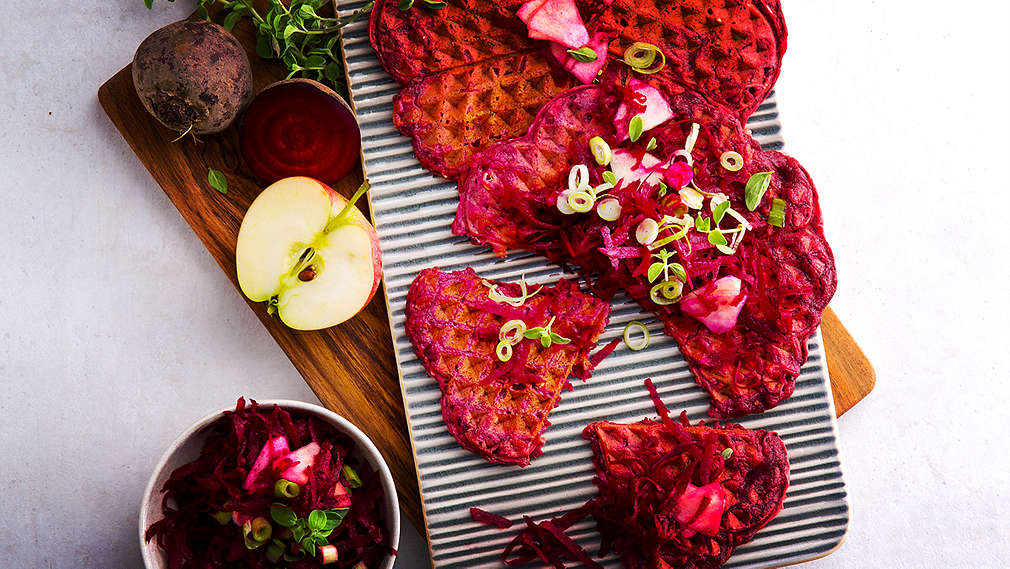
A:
(311, 532)
(296, 34)
(545, 335)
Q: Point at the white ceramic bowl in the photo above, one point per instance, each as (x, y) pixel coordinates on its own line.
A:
(187, 447)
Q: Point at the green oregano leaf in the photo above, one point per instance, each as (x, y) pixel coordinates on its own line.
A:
(585, 54)
(717, 238)
(609, 177)
(726, 453)
(217, 180)
(652, 144)
(655, 270)
(678, 272)
(283, 516)
(720, 211)
(757, 185)
(635, 128)
(317, 520)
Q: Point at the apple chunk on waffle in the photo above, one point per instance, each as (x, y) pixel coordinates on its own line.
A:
(501, 354)
(676, 495)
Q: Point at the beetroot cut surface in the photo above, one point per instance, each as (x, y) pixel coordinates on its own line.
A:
(499, 410)
(508, 201)
(472, 75)
(192, 538)
(657, 480)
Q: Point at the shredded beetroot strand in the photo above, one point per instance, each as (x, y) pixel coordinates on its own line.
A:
(487, 518)
(548, 542)
(664, 413)
(599, 356)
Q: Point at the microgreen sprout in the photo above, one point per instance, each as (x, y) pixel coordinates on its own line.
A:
(545, 335)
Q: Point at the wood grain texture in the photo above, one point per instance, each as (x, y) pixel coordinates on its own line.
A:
(350, 367)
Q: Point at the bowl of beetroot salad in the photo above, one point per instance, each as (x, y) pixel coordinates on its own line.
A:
(270, 485)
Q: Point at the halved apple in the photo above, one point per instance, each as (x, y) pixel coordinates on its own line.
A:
(309, 253)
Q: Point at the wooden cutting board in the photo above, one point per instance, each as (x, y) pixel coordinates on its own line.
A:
(350, 367)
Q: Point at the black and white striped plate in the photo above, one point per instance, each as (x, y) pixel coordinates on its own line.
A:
(413, 211)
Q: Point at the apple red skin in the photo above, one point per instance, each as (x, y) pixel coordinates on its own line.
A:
(300, 127)
(359, 219)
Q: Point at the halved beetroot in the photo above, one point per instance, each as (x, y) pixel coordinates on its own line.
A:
(300, 127)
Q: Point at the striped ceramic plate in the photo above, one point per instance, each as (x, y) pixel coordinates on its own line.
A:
(413, 211)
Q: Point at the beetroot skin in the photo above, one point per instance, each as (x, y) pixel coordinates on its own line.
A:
(497, 409)
(472, 75)
(676, 495)
(787, 274)
(300, 127)
(231, 461)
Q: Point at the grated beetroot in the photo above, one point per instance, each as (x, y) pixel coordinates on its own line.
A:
(192, 538)
(547, 541)
(487, 518)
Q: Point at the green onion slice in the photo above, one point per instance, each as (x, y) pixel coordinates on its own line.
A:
(504, 351)
(641, 57)
(731, 161)
(601, 150)
(726, 453)
(609, 209)
(498, 296)
(581, 201)
(562, 203)
(512, 331)
(639, 343)
(578, 177)
(777, 217)
(286, 489)
(647, 231)
(666, 292)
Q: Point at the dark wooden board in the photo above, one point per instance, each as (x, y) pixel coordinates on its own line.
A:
(350, 367)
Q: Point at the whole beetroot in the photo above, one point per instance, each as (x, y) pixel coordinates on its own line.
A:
(193, 76)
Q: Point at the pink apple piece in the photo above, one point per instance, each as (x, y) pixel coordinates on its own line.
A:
(653, 108)
(260, 475)
(629, 169)
(301, 461)
(554, 20)
(717, 304)
(698, 514)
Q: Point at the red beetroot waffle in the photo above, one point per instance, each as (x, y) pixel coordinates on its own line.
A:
(499, 409)
(787, 273)
(672, 495)
(472, 65)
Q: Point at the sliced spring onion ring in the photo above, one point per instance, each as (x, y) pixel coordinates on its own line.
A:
(602, 189)
(562, 204)
(777, 216)
(601, 150)
(641, 57)
(609, 209)
(666, 292)
(581, 201)
(498, 296)
(691, 198)
(578, 178)
(512, 331)
(683, 153)
(731, 160)
(636, 344)
(503, 351)
(647, 231)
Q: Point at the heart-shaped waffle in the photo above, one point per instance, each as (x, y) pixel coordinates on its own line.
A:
(472, 76)
(498, 409)
(676, 495)
(787, 272)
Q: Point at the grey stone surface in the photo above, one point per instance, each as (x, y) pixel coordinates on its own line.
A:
(118, 329)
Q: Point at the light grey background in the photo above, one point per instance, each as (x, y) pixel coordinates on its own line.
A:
(119, 329)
